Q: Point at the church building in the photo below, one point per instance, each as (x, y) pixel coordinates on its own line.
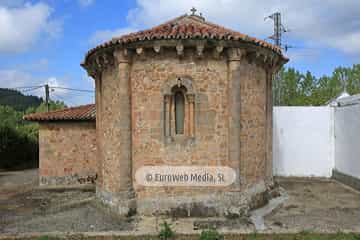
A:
(186, 93)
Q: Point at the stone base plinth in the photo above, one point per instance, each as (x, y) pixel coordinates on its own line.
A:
(223, 204)
(215, 204)
(122, 203)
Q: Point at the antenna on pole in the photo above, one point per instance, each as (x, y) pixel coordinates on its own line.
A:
(279, 29)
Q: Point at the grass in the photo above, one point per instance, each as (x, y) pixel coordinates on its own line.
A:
(47, 238)
(254, 236)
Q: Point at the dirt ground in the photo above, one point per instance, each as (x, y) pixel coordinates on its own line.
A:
(311, 205)
(316, 205)
(26, 208)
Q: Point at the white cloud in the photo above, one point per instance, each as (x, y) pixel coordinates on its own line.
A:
(10, 78)
(55, 83)
(23, 24)
(86, 3)
(330, 23)
(106, 35)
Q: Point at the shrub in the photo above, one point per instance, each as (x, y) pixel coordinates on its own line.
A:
(17, 149)
(210, 234)
(166, 232)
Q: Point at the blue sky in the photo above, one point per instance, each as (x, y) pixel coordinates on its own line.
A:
(45, 41)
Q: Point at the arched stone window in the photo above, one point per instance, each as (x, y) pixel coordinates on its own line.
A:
(179, 113)
(178, 110)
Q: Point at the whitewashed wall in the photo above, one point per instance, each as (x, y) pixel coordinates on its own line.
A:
(303, 141)
(347, 140)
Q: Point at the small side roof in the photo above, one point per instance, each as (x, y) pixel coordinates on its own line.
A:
(346, 100)
(79, 113)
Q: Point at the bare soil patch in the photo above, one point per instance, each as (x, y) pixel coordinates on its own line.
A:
(26, 208)
(316, 206)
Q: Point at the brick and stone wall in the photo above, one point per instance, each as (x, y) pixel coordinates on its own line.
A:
(67, 153)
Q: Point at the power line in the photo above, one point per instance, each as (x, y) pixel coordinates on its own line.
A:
(63, 99)
(51, 87)
(47, 89)
(75, 94)
(15, 88)
(74, 89)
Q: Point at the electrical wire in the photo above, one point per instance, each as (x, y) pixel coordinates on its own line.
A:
(63, 99)
(73, 89)
(14, 88)
(53, 88)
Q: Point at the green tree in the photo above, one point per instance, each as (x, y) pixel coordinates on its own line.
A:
(292, 88)
(53, 105)
(16, 133)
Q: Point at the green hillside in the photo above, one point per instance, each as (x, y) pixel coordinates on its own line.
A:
(17, 100)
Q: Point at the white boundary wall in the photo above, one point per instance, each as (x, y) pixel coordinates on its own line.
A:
(347, 140)
(303, 143)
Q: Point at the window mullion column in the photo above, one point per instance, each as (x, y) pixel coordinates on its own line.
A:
(191, 104)
(167, 118)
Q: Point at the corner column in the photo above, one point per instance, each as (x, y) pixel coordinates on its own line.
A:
(234, 103)
(98, 129)
(126, 192)
(269, 125)
(117, 188)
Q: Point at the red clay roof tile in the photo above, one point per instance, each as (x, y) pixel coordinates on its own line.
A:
(186, 27)
(79, 113)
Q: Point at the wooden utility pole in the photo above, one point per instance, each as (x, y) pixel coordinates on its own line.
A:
(47, 97)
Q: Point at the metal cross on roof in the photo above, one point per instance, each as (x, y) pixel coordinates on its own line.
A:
(193, 11)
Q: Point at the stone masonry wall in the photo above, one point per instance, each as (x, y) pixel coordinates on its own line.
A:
(230, 121)
(253, 124)
(67, 153)
(148, 79)
(212, 142)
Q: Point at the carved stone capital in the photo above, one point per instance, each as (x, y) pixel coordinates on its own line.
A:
(139, 51)
(98, 63)
(190, 98)
(104, 60)
(200, 48)
(180, 49)
(122, 55)
(167, 98)
(218, 50)
(157, 48)
(255, 57)
(93, 72)
(235, 54)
